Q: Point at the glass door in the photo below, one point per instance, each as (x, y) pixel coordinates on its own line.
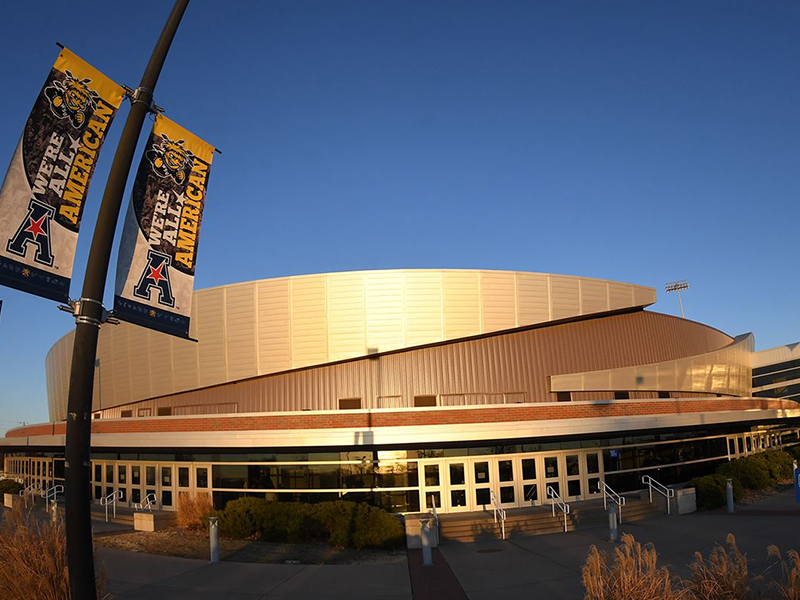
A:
(431, 485)
(507, 492)
(482, 483)
(167, 480)
(457, 489)
(551, 476)
(593, 474)
(574, 490)
(530, 483)
(136, 485)
(123, 485)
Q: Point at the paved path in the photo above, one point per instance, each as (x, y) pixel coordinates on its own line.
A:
(134, 576)
(549, 565)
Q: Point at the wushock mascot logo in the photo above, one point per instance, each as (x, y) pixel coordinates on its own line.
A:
(170, 159)
(72, 99)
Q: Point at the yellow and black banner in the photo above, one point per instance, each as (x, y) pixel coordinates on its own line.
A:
(44, 192)
(158, 252)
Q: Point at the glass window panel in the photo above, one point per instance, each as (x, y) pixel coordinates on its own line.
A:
(201, 475)
(482, 472)
(122, 495)
(530, 492)
(229, 476)
(135, 475)
(482, 496)
(529, 468)
(457, 475)
(98, 473)
(136, 495)
(166, 476)
(594, 485)
(573, 465)
(150, 475)
(98, 492)
(507, 494)
(183, 476)
(505, 469)
(550, 466)
(109, 473)
(574, 487)
(389, 474)
(433, 498)
(109, 490)
(122, 474)
(166, 498)
(458, 498)
(555, 486)
(432, 475)
(593, 463)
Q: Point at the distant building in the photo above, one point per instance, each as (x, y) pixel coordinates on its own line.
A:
(412, 387)
(776, 372)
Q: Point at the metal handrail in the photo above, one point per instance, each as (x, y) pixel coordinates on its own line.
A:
(556, 500)
(146, 503)
(112, 500)
(29, 491)
(660, 488)
(51, 494)
(498, 510)
(434, 514)
(609, 494)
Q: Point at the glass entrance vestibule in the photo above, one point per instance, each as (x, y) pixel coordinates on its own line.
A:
(467, 484)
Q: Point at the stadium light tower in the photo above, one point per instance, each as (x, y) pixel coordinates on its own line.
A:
(677, 286)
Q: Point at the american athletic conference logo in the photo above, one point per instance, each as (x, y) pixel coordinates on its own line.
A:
(156, 276)
(34, 230)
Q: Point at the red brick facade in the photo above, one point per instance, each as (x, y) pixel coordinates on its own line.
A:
(365, 419)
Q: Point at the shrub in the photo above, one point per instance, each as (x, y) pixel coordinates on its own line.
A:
(34, 559)
(711, 491)
(779, 464)
(9, 486)
(193, 509)
(341, 524)
(634, 574)
(750, 471)
(723, 576)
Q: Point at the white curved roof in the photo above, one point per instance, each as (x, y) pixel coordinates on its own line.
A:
(272, 325)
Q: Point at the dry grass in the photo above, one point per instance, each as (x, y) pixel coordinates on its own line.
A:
(722, 576)
(192, 509)
(33, 559)
(788, 588)
(634, 575)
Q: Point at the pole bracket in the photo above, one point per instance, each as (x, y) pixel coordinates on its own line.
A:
(77, 309)
(145, 96)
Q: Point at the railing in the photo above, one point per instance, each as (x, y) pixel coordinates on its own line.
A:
(499, 511)
(146, 503)
(51, 494)
(434, 514)
(28, 492)
(12, 476)
(610, 495)
(660, 488)
(556, 500)
(111, 499)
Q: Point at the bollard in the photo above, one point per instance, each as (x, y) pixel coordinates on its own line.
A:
(612, 522)
(425, 536)
(729, 490)
(213, 534)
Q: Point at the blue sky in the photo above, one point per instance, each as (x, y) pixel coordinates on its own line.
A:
(639, 142)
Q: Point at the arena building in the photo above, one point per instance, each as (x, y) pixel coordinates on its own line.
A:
(407, 388)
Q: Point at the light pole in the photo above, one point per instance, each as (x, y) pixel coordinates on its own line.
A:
(677, 286)
(89, 316)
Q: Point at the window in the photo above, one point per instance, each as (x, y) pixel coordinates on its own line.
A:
(145, 412)
(563, 396)
(126, 414)
(349, 403)
(663, 394)
(164, 411)
(622, 396)
(422, 401)
(96, 416)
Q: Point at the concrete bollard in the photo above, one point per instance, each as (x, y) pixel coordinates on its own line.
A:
(729, 490)
(612, 522)
(213, 535)
(425, 537)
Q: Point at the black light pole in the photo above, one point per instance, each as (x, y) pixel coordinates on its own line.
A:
(89, 315)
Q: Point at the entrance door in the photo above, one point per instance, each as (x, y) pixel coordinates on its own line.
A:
(457, 494)
(482, 483)
(531, 495)
(431, 485)
(593, 474)
(506, 492)
(552, 475)
(574, 490)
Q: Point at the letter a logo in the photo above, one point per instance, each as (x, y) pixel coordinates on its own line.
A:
(156, 275)
(34, 229)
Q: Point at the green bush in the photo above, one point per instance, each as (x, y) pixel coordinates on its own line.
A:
(752, 472)
(9, 486)
(711, 491)
(341, 524)
(779, 464)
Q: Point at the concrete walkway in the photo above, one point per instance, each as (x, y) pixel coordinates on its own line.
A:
(550, 565)
(134, 576)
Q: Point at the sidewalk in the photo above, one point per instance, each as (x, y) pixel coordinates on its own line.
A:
(550, 565)
(134, 576)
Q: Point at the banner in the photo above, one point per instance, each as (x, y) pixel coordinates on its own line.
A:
(42, 198)
(157, 254)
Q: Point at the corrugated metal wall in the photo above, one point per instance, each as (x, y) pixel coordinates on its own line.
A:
(513, 366)
(261, 327)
